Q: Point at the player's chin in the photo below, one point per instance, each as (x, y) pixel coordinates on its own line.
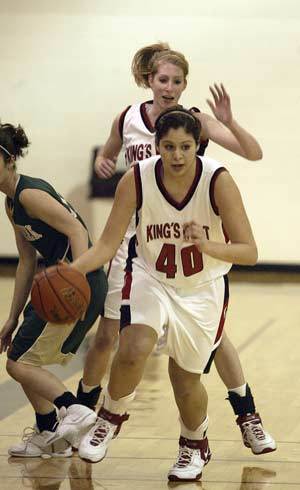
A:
(178, 169)
(169, 101)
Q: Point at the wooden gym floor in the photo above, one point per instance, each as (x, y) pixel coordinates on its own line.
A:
(263, 322)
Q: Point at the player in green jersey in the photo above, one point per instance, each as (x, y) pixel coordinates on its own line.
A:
(44, 222)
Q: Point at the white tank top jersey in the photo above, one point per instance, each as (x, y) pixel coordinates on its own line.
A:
(160, 248)
(138, 134)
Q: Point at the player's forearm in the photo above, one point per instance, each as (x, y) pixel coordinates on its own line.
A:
(96, 256)
(78, 242)
(249, 146)
(111, 149)
(23, 282)
(235, 253)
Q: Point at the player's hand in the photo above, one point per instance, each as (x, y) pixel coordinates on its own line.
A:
(6, 334)
(221, 107)
(82, 318)
(60, 262)
(194, 233)
(104, 167)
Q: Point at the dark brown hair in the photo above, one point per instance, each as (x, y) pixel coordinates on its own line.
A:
(13, 141)
(177, 117)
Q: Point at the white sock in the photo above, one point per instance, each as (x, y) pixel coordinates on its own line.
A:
(239, 390)
(87, 388)
(197, 434)
(117, 406)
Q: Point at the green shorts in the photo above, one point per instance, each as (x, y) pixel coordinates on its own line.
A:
(40, 343)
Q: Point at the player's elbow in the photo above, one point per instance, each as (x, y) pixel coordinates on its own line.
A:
(77, 231)
(256, 155)
(252, 255)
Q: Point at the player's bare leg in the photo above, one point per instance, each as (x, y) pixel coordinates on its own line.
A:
(96, 362)
(45, 384)
(228, 364)
(190, 395)
(99, 352)
(135, 346)
(40, 404)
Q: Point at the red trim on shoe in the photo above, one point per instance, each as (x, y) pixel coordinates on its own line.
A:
(183, 480)
(113, 418)
(201, 444)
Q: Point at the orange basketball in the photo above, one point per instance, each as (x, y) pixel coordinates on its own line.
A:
(60, 294)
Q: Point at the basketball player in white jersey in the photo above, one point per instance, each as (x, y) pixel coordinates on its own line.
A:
(175, 280)
(165, 72)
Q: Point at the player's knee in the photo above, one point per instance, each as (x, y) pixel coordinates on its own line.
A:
(105, 340)
(133, 353)
(107, 334)
(13, 369)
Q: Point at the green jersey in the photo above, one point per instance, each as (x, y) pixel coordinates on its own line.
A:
(50, 243)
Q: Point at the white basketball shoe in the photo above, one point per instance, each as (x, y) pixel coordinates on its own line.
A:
(37, 444)
(254, 435)
(94, 444)
(74, 422)
(192, 457)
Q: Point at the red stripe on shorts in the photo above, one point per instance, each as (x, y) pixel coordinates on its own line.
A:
(127, 285)
(222, 321)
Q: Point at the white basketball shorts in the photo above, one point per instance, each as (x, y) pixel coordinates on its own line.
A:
(190, 320)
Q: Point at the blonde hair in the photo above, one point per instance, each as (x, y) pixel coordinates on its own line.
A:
(146, 61)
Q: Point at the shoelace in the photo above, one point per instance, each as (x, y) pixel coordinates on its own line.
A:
(184, 457)
(254, 429)
(100, 432)
(28, 434)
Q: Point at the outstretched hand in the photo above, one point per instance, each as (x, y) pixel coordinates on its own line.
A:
(6, 334)
(221, 107)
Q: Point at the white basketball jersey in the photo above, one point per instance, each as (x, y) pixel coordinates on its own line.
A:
(161, 249)
(137, 134)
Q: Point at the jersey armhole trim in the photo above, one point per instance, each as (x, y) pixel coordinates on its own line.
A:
(212, 188)
(202, 147)
(9, 203)
(138, 186)
(202, 143)
(121, 121)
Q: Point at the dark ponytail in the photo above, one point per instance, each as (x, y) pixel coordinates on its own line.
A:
(13, 141)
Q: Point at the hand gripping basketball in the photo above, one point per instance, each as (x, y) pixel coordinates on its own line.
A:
(60, 294)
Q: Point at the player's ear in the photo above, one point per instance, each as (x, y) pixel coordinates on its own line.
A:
(150, 80)
(11, 162)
